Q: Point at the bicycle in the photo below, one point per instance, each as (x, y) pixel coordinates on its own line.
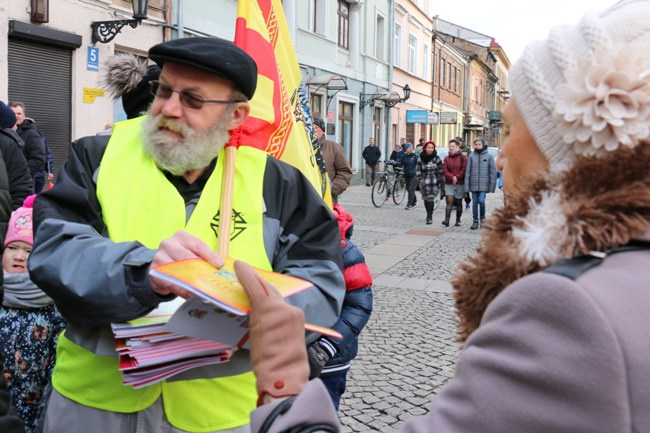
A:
(390, 184)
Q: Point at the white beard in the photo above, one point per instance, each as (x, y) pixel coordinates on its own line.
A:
(178, 156)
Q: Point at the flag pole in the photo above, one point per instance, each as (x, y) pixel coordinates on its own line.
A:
(225, 220)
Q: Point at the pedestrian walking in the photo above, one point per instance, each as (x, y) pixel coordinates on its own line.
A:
(480, 179)
(408, 161)
(371, 154)
(397, 153)
(429, 170)
(464, 147)
(554, 306)
(454, 171)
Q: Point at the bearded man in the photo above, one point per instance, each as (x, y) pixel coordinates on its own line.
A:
(147, 195)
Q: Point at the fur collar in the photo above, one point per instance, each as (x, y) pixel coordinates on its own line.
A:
(598, 204)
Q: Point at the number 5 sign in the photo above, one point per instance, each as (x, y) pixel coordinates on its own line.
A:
(93, 59)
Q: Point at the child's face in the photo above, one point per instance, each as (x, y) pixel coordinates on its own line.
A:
(14, 258)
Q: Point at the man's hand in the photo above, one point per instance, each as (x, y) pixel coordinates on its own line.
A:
(179, 247)
(277, 338)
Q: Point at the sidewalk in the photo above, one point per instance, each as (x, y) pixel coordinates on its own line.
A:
(397, 241)
(408, 349)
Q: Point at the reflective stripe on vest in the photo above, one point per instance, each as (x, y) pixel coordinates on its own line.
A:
(139, 203)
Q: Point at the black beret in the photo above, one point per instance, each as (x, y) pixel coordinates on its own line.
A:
(213, 55)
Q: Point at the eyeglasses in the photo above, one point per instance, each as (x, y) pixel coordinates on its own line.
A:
(188, 100)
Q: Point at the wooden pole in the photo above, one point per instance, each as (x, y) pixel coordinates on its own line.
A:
(225, 220)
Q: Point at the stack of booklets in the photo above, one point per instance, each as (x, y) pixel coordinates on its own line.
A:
(203, 330)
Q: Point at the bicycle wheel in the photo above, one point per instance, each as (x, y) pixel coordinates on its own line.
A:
(379, 189)
(399, 192)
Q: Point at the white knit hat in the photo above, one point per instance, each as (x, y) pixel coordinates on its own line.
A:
(586, 89)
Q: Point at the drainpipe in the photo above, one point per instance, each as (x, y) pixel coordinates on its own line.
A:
(391, 42)
(181, 26)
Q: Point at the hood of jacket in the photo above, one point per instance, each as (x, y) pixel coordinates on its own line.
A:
(28, 123)
(596, 205)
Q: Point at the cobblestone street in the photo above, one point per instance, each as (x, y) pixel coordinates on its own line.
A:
(408, 349)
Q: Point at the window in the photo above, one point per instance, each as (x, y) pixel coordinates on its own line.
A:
(318, 16)
(425, 63)
(380, 49)
(344, 24)
(475, 89)
(443, 69)
(345, 132)
(315, 103)
(397, 48)
(458, 81)
(376, 126)
(449, 77)
(413, 48)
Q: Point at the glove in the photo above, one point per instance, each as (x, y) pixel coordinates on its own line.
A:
(317, 357)
(277, 338)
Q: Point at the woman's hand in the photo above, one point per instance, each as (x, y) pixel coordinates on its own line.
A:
(277, 338)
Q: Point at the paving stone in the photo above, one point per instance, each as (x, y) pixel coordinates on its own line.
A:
(408, 350)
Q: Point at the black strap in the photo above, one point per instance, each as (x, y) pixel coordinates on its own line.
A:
(281, 409)
(576, 266)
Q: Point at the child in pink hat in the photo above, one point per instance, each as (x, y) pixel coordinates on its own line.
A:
(29, 322)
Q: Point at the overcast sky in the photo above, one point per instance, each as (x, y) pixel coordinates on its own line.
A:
(514, 23)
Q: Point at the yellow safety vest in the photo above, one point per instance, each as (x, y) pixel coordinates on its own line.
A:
(139, 203)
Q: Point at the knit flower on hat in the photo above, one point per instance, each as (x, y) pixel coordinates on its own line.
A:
(605, 102)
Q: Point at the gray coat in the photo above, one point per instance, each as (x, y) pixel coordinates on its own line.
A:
(481, 172)
(550, 355)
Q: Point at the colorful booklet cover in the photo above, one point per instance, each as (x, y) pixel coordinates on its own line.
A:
(220, 286)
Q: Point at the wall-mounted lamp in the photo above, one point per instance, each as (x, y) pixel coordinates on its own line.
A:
(105, 31)
(389, 99)
(40, 11)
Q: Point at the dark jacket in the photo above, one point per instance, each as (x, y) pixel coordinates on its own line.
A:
(396, 155)
(9, 421)
(481, 172)
(5, 204)
(454, 165)
(409, 163)
(34, 149)
(20, 181)
(371, 155)
(357, 303)
(300, 239)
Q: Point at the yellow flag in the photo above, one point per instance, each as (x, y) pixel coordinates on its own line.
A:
(276, 122)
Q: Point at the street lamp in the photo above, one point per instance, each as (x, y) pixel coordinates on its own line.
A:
(105, 31)
(389, 99)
